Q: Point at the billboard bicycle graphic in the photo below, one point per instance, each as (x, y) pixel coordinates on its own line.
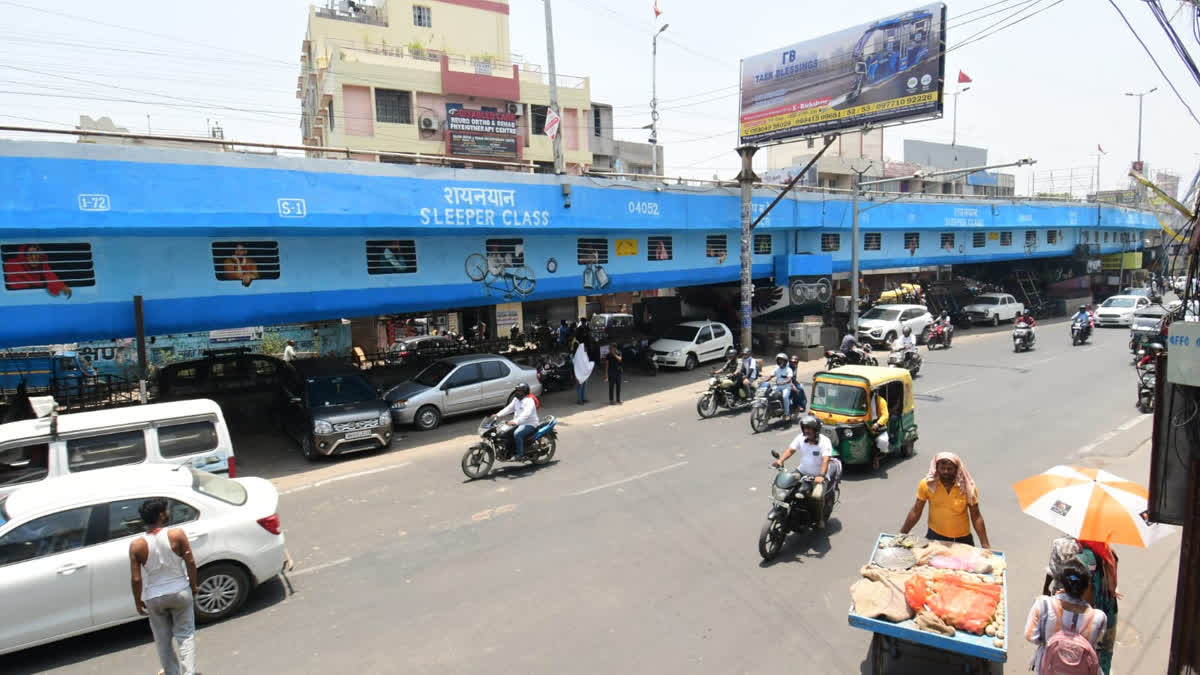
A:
(497, 275)
(807, 292)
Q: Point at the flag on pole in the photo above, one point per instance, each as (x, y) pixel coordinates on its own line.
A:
(1101, 149)
(552, 123)
(962, 78)
(657, 11)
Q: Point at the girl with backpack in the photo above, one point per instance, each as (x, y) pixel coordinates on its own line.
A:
(1065, 628)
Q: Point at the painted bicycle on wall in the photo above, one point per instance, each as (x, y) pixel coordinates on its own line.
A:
(498, 274)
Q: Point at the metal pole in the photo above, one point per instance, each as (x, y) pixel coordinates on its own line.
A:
(1139, 153)
(954, 135)
(654, 101)
(139, 322)
(854, 252)
(746, 180)
(558, 151)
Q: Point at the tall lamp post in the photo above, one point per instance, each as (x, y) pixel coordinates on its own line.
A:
(954, 134)
(654, 101)
(1139, 98)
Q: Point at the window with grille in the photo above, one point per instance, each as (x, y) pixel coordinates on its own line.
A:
(979, 239)
(246, 261)
(395, 256)
(596, 122)
(1106, 237)
(1052, 236)
(912, 241)
(658, 248)
(1030, 238)
(592, 251)
(948, 241)
(762, 244)
(394, 106)
(714, 246)
(1006, 238)
(507, 252)
(537, 120)
(422, 16)
(831, 241)
(51, 267)
(872, 241)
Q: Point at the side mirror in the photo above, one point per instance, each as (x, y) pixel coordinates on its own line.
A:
(775, 454)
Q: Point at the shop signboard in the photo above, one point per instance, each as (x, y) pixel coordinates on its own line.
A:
(482, 133)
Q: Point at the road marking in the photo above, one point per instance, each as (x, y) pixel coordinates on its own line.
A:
(356, 474)
(949, 386)
(630, 479)
(318, 568)
(1109, 435)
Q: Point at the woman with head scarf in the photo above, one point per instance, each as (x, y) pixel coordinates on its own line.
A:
(1101, 563)
(953, 503)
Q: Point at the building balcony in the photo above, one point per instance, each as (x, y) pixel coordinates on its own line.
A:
(479, 77)
(354, 12)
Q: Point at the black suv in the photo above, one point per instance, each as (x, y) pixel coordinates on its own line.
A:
(331, 409)
(221, 374)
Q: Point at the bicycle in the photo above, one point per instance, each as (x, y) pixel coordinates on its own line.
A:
(495, 275)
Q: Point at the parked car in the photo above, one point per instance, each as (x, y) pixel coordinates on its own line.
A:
(181, 432)
(64, 546)
(329, 408)
(691, 343)
(993, 308)
(456, 386)
(253, 378)
(422, 348)
(1118, 310)
(1141, 291)
(882, 324)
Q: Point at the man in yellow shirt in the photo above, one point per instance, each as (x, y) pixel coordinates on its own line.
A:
(951, 494)
(880, 429)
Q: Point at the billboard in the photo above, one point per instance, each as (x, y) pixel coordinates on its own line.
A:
(887, 70)
(481, 133)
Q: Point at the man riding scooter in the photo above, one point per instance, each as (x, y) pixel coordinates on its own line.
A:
(1085, 318)
(782, 381)
(909, 345)
(850, 348)
(816, 455)
(797, 390)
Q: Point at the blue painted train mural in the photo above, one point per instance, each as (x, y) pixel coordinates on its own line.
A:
(223, 240)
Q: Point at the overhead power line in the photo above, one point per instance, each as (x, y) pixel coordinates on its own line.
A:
(1155, 61)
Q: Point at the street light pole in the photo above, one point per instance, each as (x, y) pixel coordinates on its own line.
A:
(954, 135)
(1139, 98)
(557, 141)
(654, 101)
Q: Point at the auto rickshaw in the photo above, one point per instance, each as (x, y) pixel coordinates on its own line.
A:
(844, 400)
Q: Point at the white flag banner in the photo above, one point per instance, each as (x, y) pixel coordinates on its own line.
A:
(552, 122)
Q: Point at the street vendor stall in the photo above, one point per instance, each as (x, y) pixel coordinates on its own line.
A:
(946, 596)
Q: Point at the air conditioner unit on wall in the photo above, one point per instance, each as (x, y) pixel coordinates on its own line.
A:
(513, 108)
(428, 123)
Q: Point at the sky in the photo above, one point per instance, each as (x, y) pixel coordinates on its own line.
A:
(1050, 86)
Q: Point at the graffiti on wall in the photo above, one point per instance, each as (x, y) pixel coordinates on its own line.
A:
(502, 270)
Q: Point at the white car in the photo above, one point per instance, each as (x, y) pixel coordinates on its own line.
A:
(883, 324)
(64, 546)
(1118, 310)
(691, 343)
(993, 308)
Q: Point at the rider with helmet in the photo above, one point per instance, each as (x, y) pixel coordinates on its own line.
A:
(749, 370)
(782, 378)
(816, 452)
(1084, 317)
(731, 370)
(525, 418)
(908, 343)
(1026, 318)
(797, 390)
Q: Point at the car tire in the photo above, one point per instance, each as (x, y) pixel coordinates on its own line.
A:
(691, 362)
(222, 590)
(889, 338)
(428, 418)
(308, 448)
(995, 320)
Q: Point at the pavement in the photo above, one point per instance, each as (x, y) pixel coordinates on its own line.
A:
(635, 551)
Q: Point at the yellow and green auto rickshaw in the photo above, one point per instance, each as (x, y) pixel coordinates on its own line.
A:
(845, 399)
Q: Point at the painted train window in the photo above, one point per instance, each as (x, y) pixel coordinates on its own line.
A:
(912, 241)
(948, 241)
(392, 256)
(591, 251)
(506, 252)
(54, 268)
(1052, 236)
(1006, 238)
(715, 246)
(1031, 237)
(979, 239)
(872, 241)
(659, 248)
(245, 261)
(762, 244)
(831, 241)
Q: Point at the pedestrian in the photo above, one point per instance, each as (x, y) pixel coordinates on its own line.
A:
(1062, 550)
(583, 369)
(1101, 563)
(290, 354)
(163, 577)
(564, 332)
(951, 494)
(612, 373)
(1066, 630)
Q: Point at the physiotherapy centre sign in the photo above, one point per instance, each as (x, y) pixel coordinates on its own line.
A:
(482, 133)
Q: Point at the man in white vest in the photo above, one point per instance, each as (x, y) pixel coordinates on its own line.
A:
(163, 576)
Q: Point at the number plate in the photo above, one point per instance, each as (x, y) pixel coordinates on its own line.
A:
(358, 434)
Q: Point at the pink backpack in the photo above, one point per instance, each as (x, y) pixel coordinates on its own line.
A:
(1069, 652)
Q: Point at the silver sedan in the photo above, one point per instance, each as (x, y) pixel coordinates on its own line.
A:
(458, 385)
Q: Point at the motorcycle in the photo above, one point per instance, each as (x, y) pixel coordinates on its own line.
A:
(908, 359)
(556, 373)
(1080, 332)
(862, 357)
(789, 508)
(767, 406)
(1147, 376)
(833, 359)
(724, 391)
(1023, 337)
(936, 334)
(497, 444)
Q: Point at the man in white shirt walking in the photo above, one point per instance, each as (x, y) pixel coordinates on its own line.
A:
(525, 418)
(163, 578)
(290, 354)
(815, 453)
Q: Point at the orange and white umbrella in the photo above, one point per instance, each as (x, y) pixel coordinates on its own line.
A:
(1091, 504)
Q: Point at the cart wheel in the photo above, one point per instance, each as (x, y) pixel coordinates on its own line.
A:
(878, 654)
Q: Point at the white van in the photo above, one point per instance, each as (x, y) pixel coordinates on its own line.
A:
(181, 432)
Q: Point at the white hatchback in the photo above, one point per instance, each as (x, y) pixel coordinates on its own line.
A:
(64, 546)
(691, 343)
(1118, 310)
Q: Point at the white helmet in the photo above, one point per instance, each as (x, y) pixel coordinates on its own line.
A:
(781, 357)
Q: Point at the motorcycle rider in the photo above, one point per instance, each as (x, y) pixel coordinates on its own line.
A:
(732, 370)
(749, 371)
(525, 418)
(1026, 317)
(1085, 318)
(815, 454)
(849, 348)
(783, 382)
(797, 390)
(909, 344)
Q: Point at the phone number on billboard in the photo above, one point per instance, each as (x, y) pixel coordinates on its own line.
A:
(806, 117)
